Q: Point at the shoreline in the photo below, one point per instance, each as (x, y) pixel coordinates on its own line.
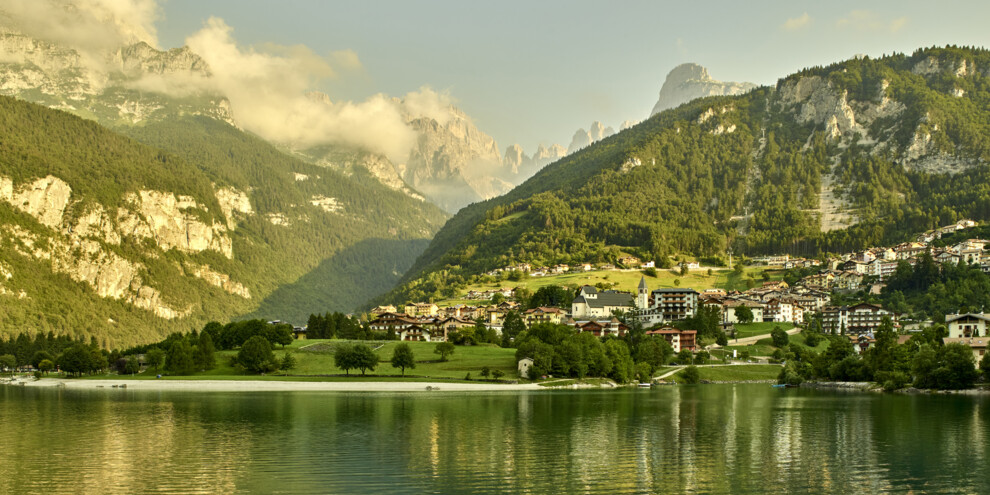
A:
(269, 385)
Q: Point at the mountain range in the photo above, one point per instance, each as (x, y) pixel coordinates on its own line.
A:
(862, 152)
(195, 218)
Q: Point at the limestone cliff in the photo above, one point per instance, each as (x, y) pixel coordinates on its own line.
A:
(127, 87)
(583, 138)
(522, 166)
(689, 81)
(80, 247)
(449, 156)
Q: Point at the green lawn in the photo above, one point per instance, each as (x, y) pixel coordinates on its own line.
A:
(315, 365)
(744, 330)
(736, 372)
(764, 347)
(629, 280)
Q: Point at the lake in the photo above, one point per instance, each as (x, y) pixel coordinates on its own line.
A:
(693, 439)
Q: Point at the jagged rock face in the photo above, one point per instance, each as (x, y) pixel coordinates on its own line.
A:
(522, 166)
(544, 155)
(450, 155)
(814, 100)
(583, 138)
(77, 246)
(111, 91)
(689, 81)
(141, 58)
(514, 159)
(161, 217)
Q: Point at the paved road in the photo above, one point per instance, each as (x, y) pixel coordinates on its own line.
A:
(754, 338)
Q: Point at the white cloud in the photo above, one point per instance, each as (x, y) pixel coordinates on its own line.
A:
(86, 25)
(267, 88)
(270, 86)
(795, 23)
(867, 20)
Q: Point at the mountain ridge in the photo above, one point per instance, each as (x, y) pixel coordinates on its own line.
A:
(108, 237)
(750, 172)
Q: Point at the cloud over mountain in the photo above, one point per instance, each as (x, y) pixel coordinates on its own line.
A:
(268, 85)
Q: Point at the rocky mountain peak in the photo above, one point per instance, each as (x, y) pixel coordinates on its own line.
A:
(145, 59)
(689, 81)
(583, 138)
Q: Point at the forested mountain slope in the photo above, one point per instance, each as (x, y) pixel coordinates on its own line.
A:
(859, 153)
(108, 237)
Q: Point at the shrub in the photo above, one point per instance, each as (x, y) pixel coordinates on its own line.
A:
(691, 375)
(892, 380)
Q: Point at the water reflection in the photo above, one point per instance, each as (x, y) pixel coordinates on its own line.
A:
(722, 439)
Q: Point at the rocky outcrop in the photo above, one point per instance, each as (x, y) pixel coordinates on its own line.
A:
(521, 166)
(141, 59)
(79, 246)
(217, 279)
(87, 261)
(449, 155)
(329, 205)
(162, 217)
(687, 82)
(514, 159)
(545, 155)
(44, 199)
(127, 87)
(583, 138)
(234, 204)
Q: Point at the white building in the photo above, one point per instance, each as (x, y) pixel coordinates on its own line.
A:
(967, 325)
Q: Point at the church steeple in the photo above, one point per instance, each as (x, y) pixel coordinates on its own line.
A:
(642, 297)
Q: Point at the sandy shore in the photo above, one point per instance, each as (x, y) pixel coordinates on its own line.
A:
(274, 386)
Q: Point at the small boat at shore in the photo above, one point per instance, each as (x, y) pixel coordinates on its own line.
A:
(783, 385)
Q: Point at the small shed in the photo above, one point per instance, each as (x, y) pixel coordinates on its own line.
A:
(524, 366)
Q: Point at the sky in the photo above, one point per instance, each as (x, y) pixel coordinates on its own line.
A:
(533, 72)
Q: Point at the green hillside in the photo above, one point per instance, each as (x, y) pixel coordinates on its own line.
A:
(898, 143)
(284, 237)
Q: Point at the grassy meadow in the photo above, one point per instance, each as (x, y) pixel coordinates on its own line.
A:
(735, 373)
(314, 361)
(628, 280)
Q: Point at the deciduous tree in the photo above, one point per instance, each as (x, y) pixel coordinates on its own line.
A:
(402, 357)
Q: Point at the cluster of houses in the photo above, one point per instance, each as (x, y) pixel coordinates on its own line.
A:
(596, 311)
(622, 263)
(542, 271)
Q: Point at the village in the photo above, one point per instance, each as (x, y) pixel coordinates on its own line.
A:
(607, 312)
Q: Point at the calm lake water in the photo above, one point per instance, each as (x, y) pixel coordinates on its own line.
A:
(701, 439)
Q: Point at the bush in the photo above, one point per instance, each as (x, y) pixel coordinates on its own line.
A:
(691, 375)
(812, 339)
(790, 375)
(644, 372)
(702, 357)
(892, 380)
(777, 356)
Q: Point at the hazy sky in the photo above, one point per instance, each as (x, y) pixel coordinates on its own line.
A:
(535, 71)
